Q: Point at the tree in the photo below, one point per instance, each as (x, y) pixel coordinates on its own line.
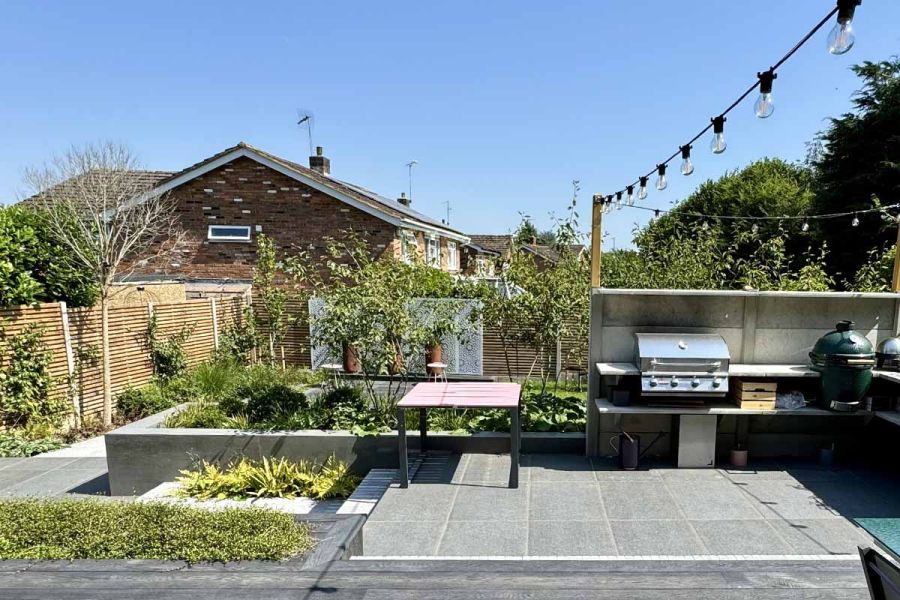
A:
(31, 266)
(107, 220)
(856, 157)
(273, 318)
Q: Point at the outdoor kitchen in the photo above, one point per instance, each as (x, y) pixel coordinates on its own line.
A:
(704, 378)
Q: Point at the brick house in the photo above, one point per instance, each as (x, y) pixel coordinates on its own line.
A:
(226, 200)
(485, 254)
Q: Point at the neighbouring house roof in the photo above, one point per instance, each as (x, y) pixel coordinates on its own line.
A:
(495, 244)
(552, 253)
(140, 180)
(385, 208)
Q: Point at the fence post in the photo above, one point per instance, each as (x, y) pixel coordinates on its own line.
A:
(215, 322)
(70, 356)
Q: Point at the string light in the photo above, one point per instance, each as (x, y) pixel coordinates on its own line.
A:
(718, 144)
(842, 36)
(840, 41)
(855, 221)
(687, 167)
(805, 226)
(755, 228)
(661, 181)
(677, 213)
(765, 105)
(629, 195)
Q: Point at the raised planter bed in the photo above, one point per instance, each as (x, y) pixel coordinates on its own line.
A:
(144, 454)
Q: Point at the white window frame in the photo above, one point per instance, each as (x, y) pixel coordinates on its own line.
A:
(227, 238)
(433, 251)
(408, 245)
(452, 256)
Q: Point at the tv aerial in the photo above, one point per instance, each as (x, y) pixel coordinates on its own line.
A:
(305, 119)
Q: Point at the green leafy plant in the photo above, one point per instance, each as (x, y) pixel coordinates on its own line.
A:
(269, 478)
(137, 403)
(200, 415)
(26, 386)
(16, 444)
(69, 529)
(167, 355)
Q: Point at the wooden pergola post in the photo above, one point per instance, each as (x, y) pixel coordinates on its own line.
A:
(895, 282)
(597, 238)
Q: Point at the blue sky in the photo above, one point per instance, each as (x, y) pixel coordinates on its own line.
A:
(502, 103)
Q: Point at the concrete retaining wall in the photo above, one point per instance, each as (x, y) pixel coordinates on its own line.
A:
(759, 328)
(144, 454)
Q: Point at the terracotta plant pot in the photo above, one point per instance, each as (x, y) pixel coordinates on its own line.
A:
(739, 458)
(350, 358)
(434, 354)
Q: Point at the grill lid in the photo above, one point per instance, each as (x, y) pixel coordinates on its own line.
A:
(843, 342)
(889, 347)
(681, 346)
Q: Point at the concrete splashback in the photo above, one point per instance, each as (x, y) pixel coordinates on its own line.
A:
(759, 327)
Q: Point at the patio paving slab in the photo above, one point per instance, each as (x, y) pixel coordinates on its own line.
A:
(717, 499)
(740, 537)
(396, 538)
(474, 503)
(419, 502)
(496, 538)
(629, 500)
(564, 501)
(821, 536)
(570, 538)
(559, 467)
(656, 538)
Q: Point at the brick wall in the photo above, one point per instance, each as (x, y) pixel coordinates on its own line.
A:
(245, 192)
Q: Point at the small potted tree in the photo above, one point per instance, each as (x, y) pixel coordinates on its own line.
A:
(439, 322)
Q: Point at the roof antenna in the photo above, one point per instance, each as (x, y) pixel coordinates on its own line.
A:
(447, 204)
(305, 119)
(410, 165)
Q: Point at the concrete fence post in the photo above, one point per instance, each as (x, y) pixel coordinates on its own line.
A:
(70, 356)
(215, 323)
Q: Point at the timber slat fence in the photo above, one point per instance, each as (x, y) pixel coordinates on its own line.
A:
(73, 336)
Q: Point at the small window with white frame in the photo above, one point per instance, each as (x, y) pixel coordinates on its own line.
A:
(452, 256)
(433, 251)
(407, 245)
(228, 233)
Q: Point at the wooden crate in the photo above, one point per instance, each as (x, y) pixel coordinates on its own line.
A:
(744, 385)
(756, 395)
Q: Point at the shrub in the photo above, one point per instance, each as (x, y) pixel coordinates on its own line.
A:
(137, 403)
(271, 478)
(201, 415)
(32, 529)
(215, 379)
(278, 400)
(16, 444)
(167, 355)
(25, 381)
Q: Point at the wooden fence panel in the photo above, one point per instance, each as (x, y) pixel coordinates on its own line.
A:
(194, 316)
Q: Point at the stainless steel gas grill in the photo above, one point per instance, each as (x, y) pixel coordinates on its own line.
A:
(682, 365)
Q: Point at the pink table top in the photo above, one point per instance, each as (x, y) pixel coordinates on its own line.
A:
(465, 394)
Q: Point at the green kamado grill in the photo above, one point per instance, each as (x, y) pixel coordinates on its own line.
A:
(845, 359)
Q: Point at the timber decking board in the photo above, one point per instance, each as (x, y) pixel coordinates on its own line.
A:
(444, 580)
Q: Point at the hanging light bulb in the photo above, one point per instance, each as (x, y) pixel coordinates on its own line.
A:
(655, 215)
(629, 195)
(855, 221)
(842, 37)
(609, 201)
(718, 145)
(642, 191)
(661, 181)
(687, 167)
(765, 105)
(705, 225)
(805, 226)
(619, 200)
(755, 228)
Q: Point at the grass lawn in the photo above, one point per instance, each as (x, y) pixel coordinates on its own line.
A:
(77, 529)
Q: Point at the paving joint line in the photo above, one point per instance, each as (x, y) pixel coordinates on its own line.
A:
(683, 514)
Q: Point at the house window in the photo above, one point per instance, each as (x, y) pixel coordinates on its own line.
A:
(433, 252)
(452, 256)
(407, 245)
(228, 233)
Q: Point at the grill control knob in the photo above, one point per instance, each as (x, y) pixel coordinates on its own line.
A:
(716, 382)
(674, 382)
(653, 382)
(695, 382)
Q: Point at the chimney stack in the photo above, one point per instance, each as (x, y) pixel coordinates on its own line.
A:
(403, 199)
(320, 162)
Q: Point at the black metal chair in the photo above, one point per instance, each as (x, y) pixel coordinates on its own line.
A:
(882, 575)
